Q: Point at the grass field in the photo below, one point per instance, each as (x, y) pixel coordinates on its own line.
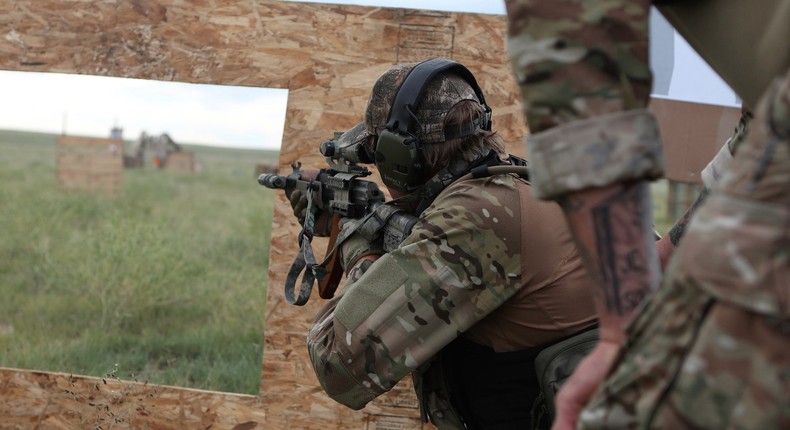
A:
(165, 283)
(661, 216)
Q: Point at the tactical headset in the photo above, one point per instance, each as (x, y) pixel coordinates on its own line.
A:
(398, 152)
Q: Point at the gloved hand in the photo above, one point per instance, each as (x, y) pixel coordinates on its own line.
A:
(357, 246)
(323, 220)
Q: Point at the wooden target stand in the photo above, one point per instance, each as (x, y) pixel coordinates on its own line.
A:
(328, 57)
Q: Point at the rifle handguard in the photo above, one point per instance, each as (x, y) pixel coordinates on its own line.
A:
(338, 190)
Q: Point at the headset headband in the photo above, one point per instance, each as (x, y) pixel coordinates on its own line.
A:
(410, 91)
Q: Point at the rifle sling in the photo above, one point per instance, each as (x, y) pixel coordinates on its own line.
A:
(303, 259)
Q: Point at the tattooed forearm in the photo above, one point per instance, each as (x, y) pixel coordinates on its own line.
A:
(679, 229)
(622, 258)
(614, 229)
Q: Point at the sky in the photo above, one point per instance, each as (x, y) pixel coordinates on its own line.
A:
(242, 117)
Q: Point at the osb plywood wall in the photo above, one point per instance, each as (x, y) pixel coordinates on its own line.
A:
(89, 164)
(328, 56)
(692, 134)
(181, 161)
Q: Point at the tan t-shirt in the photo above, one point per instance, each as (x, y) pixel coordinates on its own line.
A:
(556, 299)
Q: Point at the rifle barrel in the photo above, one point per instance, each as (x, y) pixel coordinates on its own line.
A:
(272, 181)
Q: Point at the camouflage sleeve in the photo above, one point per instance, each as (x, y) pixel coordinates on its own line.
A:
(582, 67)
(713, 173)
(462, 261)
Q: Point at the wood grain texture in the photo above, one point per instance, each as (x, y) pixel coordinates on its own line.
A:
(328, 57)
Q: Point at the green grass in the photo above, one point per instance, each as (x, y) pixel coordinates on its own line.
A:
(661, 216)
(164, 283)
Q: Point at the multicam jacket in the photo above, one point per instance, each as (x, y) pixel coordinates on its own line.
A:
(486, 259)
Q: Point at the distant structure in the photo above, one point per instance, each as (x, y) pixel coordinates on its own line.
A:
(708, 127)
(89, 164)
(158, 150)
(182, 161)
(116, 133)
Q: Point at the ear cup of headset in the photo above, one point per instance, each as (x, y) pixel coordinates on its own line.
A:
(398, 161)
(398, 154)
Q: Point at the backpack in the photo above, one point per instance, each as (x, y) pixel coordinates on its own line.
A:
(553, 366)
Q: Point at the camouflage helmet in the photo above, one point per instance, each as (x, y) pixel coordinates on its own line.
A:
(443, 92)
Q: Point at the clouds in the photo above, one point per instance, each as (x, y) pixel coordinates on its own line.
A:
(89, 105)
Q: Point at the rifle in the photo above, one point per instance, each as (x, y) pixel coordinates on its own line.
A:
(340, 191)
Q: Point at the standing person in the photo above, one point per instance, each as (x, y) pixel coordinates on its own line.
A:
(487, 277)
(711, 347)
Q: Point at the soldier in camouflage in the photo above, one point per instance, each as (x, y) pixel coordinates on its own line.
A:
(710, 348)
(487, 276)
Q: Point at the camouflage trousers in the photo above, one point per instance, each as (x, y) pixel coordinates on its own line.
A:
(711, 349)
